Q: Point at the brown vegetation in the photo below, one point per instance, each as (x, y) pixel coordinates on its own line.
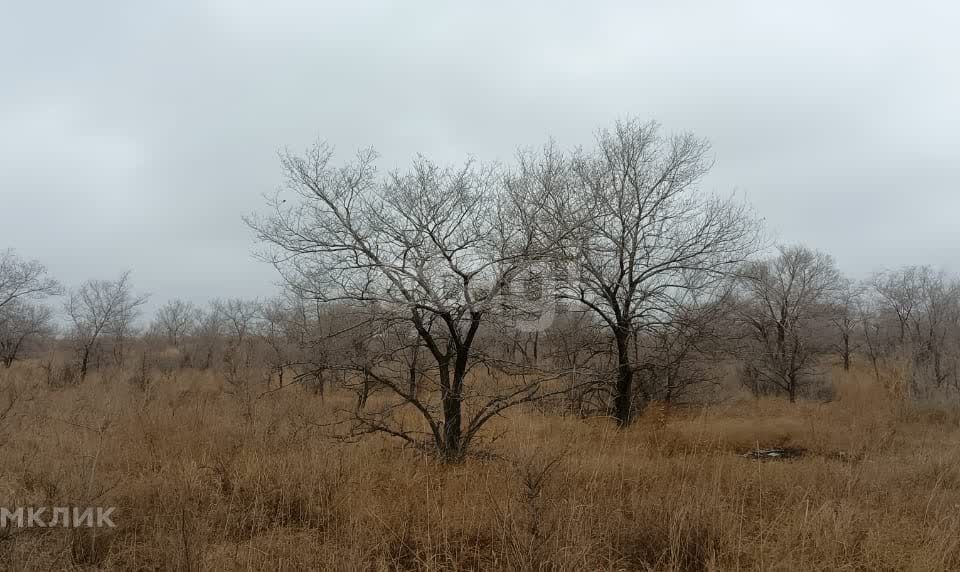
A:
(206, 480)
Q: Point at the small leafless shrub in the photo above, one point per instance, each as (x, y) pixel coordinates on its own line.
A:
(59, 375)
(141, 378)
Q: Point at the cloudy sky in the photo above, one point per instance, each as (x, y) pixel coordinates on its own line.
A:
(135, 135)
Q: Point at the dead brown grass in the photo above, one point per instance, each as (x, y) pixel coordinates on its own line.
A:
(200, 485)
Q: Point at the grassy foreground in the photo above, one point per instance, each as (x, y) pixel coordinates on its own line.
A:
(203, 480)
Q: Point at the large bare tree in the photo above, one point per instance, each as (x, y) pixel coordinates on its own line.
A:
(98, 308)
(679, 357)
(20, 279)
(206, 334)
(239, 317)
(423, 257)
(21, 322)
(174, 320)
(845, 316)
(900, 291)
(926, 304)
(651, 237)
(787, 302)
(22, 282)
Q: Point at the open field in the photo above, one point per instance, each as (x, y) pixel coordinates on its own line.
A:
(442, 286)
(200, 484)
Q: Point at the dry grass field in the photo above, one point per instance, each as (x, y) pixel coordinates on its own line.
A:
(204, 481)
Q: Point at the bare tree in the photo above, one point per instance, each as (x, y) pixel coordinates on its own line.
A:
(20, 322)
(933, 326)
(100, 307)
(206, 335)
(428, 250)
(241, 321)
(239, 317)
(786, 301)
(279, 333)
(308, 324)
(174, 320)
(935, 317)
(869, 326)
(651, 229)
(925, 306)
(23, 279)
(677, 358)
(578, 345)
(900, 291)
(845, 318)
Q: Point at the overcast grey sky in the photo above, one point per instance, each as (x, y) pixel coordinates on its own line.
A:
(137, 134)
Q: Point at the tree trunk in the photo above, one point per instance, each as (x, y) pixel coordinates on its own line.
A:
(84, 363)
(318, 383)
(451, 398)
(872, 350)
(208, 360)
(364, 391)
(782, 343)
(12, 351)
(668, 397)
(623, 396)
(938, 367)
(536, 348)
(451, 427)
(412, 372)
(118, 356)
(846, 352)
